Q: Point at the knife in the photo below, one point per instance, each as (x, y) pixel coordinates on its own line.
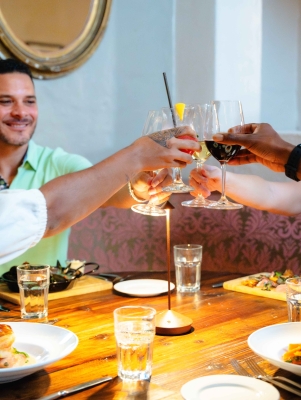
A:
(219, 284)
(77, 388)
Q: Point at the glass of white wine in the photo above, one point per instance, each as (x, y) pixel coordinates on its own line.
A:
(200, 156)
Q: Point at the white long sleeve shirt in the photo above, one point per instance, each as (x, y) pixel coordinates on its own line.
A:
(23, 219)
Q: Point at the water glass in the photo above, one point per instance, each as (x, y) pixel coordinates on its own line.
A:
(188, 259)
(134, 332)
(33, 281)
(293, 297)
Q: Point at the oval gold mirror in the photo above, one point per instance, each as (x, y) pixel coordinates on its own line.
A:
(53, 37)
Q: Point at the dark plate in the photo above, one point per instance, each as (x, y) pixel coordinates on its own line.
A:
(58, 282)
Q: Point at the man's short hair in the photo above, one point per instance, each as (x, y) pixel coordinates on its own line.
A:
(11, 65)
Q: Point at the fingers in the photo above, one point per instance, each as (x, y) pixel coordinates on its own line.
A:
(159, 198)
(244, 158)
(162, 178)
(163, 137)
(198, 187)
(247, 128)
(206, 180)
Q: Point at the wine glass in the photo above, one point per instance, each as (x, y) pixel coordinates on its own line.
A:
(200, 156)
(170, 120)
(220, 117)
(152, 124)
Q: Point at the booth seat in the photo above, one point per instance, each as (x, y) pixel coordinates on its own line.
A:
(241, 241)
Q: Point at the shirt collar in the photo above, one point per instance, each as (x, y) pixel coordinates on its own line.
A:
(31, 156)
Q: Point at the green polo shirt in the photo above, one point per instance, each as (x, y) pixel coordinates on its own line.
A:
(40, 165)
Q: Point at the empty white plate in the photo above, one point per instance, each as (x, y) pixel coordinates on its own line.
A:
(143, 287)
(228, 387)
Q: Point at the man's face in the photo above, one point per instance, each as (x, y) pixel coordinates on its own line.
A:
(18, 109)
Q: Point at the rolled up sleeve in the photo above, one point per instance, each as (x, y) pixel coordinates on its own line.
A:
(23, 219)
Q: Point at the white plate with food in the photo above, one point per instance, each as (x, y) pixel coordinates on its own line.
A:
(143, 287)
(27, 347)
(228, 387)
(272, 343)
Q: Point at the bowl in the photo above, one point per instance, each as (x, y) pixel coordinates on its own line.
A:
(272, 342)
(45, 343)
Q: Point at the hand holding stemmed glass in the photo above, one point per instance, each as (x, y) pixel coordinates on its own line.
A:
(171, 118)
(199, 156)
(220, 117)
(152, 124)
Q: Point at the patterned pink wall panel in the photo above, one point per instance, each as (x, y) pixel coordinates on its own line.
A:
(244, 241)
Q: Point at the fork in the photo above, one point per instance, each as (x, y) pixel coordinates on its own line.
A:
(242, 371)
(259, 371)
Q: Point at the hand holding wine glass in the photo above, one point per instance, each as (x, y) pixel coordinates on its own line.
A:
(222, 116)
(199, 156)
(187, 115)
(152, 124)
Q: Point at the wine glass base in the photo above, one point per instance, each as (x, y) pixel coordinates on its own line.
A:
(147, 209)
(196, 203)
(224, 205)
(178, 188)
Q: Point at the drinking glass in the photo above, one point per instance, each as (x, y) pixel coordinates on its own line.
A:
(200, 156)
(134, 328)
(220, 117)
(33, 281)
(171, 119)
(152, 124)
(188, 259)
(293, 298)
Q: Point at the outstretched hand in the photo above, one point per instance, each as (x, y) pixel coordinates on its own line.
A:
(148, 185)
(206, 180)
(262, 144)
(163, 149)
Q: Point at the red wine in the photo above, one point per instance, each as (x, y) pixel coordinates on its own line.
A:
(222, 152)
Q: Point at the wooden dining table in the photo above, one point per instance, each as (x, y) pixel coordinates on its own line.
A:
(222, 322)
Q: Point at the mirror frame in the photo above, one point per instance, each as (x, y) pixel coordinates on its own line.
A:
(54, 64)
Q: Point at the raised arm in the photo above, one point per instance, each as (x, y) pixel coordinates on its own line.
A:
(277, 197)
(72, 197)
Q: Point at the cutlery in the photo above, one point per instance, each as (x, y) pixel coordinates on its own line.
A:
(242, 371)
(77, 388)
(114, 278)
(218, 284)
(259, 371)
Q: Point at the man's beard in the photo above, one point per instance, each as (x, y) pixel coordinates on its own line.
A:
(16, 140)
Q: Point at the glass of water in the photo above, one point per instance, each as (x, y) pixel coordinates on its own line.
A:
(134, 329)
(293, 297)
(188, 260)
(33, 282)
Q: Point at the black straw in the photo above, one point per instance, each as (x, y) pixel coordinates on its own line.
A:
(169, 100)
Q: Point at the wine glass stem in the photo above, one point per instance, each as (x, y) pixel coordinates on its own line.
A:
(177, 175)
(223, 168)
(199, 166)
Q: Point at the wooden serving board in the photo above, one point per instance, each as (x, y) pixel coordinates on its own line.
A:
(84, 284)
(235, 285)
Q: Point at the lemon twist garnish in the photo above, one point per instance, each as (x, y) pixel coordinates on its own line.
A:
(180, 107)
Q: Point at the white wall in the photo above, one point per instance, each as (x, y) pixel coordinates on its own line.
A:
(244, 49)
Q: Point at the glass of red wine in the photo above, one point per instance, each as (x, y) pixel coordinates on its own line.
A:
(220, 117)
